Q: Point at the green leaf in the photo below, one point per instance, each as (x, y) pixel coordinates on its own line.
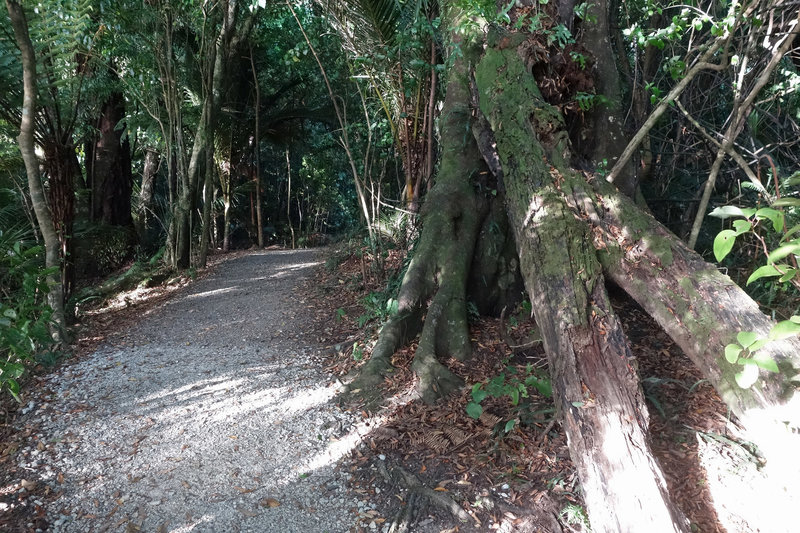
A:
(509, 426)
(765, 361)
(479, 396)
(514, 395)
(723, 243)
(732, 352)
(474, 410)
(14, 370)
(577, 404)
(775, 216)
(790, 273)
(782, 251)
(795, 319)
(10, 313)
(742, 226)
(748, 376)
(746, 338)
(760, 343)
(766, 271)
(786, 202)
(784, 329)
(790, 232)
(727, 211)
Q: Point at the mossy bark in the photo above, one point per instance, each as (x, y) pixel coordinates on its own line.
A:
(699, 307)
(438, 273)
(596, 388)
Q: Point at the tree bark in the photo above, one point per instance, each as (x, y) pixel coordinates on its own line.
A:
(55, 296)
(698, 306)
(453, 216)
(595, 387)
(607, 120)
(108, 167)
(144, 205)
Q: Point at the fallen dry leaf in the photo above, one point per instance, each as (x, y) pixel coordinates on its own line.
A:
(269, 502)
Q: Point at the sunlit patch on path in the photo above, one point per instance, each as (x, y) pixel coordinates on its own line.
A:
(212, 414)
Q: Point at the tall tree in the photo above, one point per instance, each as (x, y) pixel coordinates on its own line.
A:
(55, 296)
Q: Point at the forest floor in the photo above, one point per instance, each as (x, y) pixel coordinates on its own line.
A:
(214, 405)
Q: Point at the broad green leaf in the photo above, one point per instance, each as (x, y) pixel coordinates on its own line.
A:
(782, 251)
(775, 216)
(723, 243)
(786, 202)
(478, 394)
(766, 271)
(742, 226)
(732, 352)
(746, 338)
(795, 319)
(727, 211)
(784, 329)
(748, 376)
(10, 313)
(765, 361)
(474, 410)
(509, 425)
(788, 276)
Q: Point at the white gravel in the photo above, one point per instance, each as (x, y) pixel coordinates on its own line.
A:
(212, 415)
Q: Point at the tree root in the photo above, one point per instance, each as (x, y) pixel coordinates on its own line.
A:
(418, 495)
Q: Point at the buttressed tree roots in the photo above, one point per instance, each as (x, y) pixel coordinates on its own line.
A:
(572, 230)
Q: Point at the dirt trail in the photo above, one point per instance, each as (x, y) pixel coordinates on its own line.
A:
(211, 414)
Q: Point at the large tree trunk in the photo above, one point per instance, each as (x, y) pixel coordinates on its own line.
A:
(108, 167)
(453, 217)
(55, 296)
(596, 389)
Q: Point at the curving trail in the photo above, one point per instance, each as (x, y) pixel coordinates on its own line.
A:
(211, 415)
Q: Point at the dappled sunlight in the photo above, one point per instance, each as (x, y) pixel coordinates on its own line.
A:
(205, 519)
(289, 269)
(197, 388)
(536, 212)
(342, 446)
(215, 292)
(127, 298)
(748, 494)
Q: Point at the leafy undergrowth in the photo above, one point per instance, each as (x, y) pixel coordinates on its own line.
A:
(510, 468)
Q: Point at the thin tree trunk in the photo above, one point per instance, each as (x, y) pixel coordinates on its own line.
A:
(55, 296)
(289, 196)
(144, 206)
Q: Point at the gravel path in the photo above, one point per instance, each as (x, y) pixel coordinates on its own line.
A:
(213, 414)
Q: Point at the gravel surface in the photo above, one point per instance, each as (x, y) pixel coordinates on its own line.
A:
(211, 414)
